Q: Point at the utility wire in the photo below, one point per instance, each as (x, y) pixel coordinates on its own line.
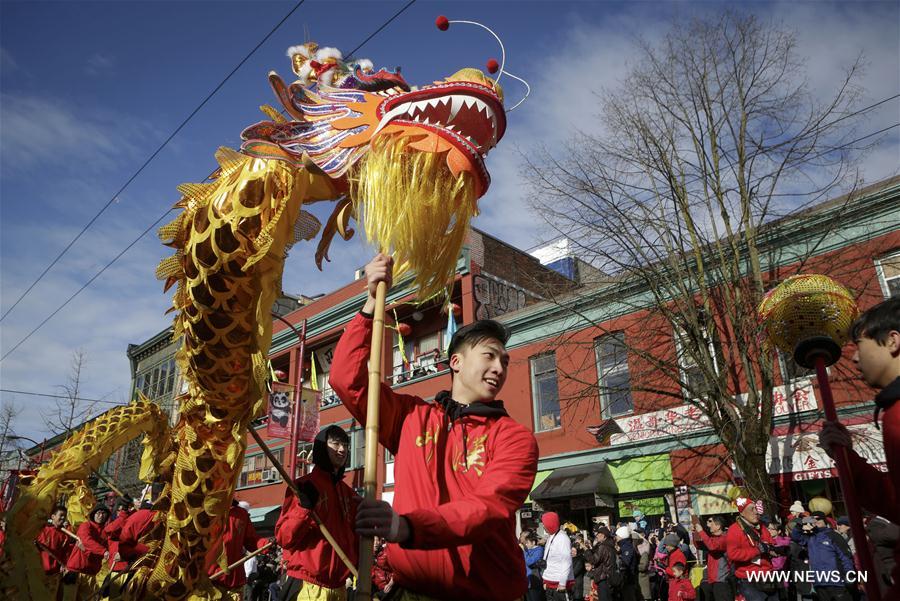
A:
(59, 396)
(161, 217)
(85, 285)
(149, 160)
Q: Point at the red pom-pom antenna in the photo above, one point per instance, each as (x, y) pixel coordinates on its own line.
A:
(442, 23)
(493, 66)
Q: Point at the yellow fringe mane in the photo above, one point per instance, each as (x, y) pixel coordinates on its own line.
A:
(409, 203)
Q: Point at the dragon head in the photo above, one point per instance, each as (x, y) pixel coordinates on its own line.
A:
(412, 160)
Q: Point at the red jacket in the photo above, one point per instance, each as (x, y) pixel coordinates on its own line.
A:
(60, 546)
(309, 557)
(381, 570)
(239, 535)
(681, 585)
(744, 552)
(136, 526)
(113, 530)
(717, 568)
(879, 491)
(461, 509)
(676, 556)
(93, 540)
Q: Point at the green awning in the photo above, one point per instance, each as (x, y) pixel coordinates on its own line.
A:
(538, 478)
(258, 515)
(640, 474)
(575, 481)
(651, 506)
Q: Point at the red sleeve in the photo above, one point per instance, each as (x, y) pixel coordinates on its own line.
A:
(252, 542)
(92, 538)
(739, 548)
(129, 547)
(711, 543)
(294, 523)
(114, 529)
(349, 379)
(874, 488)
(687, 590)
(500, 492)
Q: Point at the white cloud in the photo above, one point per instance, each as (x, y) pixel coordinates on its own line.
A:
(99, 65)
(47, 132)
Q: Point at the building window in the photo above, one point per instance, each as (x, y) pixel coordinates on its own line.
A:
(357, 448)
(613, 378)
(688, 343)
(426, 356)
(156, 381)
(545, 392)
(258, 469)
(888, 269)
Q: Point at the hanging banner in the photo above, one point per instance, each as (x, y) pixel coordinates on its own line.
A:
(309, 414)
(280, 401)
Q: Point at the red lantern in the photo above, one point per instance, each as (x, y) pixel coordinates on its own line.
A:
(280, 375)
(404, 328)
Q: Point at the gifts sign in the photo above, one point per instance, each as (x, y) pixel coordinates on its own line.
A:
(281, 400)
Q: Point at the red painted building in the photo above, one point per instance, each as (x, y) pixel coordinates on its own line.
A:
(665, 457)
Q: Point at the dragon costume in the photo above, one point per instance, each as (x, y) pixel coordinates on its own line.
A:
(407, 162)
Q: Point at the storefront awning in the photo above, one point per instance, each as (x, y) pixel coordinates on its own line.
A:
(259, 515)
(574, 481)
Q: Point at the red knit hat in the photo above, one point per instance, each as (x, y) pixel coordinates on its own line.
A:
(742, 503)
(550, 520)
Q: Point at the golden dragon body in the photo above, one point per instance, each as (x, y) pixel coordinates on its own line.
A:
(408, 161)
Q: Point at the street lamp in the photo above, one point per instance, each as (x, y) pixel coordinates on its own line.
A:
(31, 440)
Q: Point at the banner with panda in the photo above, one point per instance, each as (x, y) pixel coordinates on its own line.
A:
(281, 401)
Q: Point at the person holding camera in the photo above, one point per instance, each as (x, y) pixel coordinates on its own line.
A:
(749, 546)
(828, 554)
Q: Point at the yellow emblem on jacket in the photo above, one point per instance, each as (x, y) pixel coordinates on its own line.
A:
(474, 459)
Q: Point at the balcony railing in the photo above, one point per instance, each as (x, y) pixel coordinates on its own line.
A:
(423, 366)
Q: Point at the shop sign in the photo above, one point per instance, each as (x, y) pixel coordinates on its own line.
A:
(790, 398)
(688, 419)
(801, 456)
(675, 421)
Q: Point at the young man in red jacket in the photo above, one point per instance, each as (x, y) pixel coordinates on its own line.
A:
(55, 546)
(89, 552)
(717, 567)
(314, 569)
(240, 535)
(877, 337)
(463, 466)
(129, 548)
(748, 546)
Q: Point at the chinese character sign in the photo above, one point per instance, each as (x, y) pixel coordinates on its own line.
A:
(676, 421)
(309, 414)
(280, 401)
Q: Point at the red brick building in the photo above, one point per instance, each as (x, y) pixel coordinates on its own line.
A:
(666, 458)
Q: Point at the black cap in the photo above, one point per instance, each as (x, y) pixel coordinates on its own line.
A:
(818, 515)
(476, 331)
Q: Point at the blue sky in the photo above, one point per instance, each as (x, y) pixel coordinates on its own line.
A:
(88, 90)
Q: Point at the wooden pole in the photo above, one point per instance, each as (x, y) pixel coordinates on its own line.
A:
(370, 476)
(845, 477)
(262, 549)
(293, 486)
(71, 534)
(111, 486)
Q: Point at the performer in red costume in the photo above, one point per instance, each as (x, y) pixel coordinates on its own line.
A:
(877, 337)
(749, 546)
(55, 547)
(87, 557)
(314, 569)
(240, 535)
(463, 466)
